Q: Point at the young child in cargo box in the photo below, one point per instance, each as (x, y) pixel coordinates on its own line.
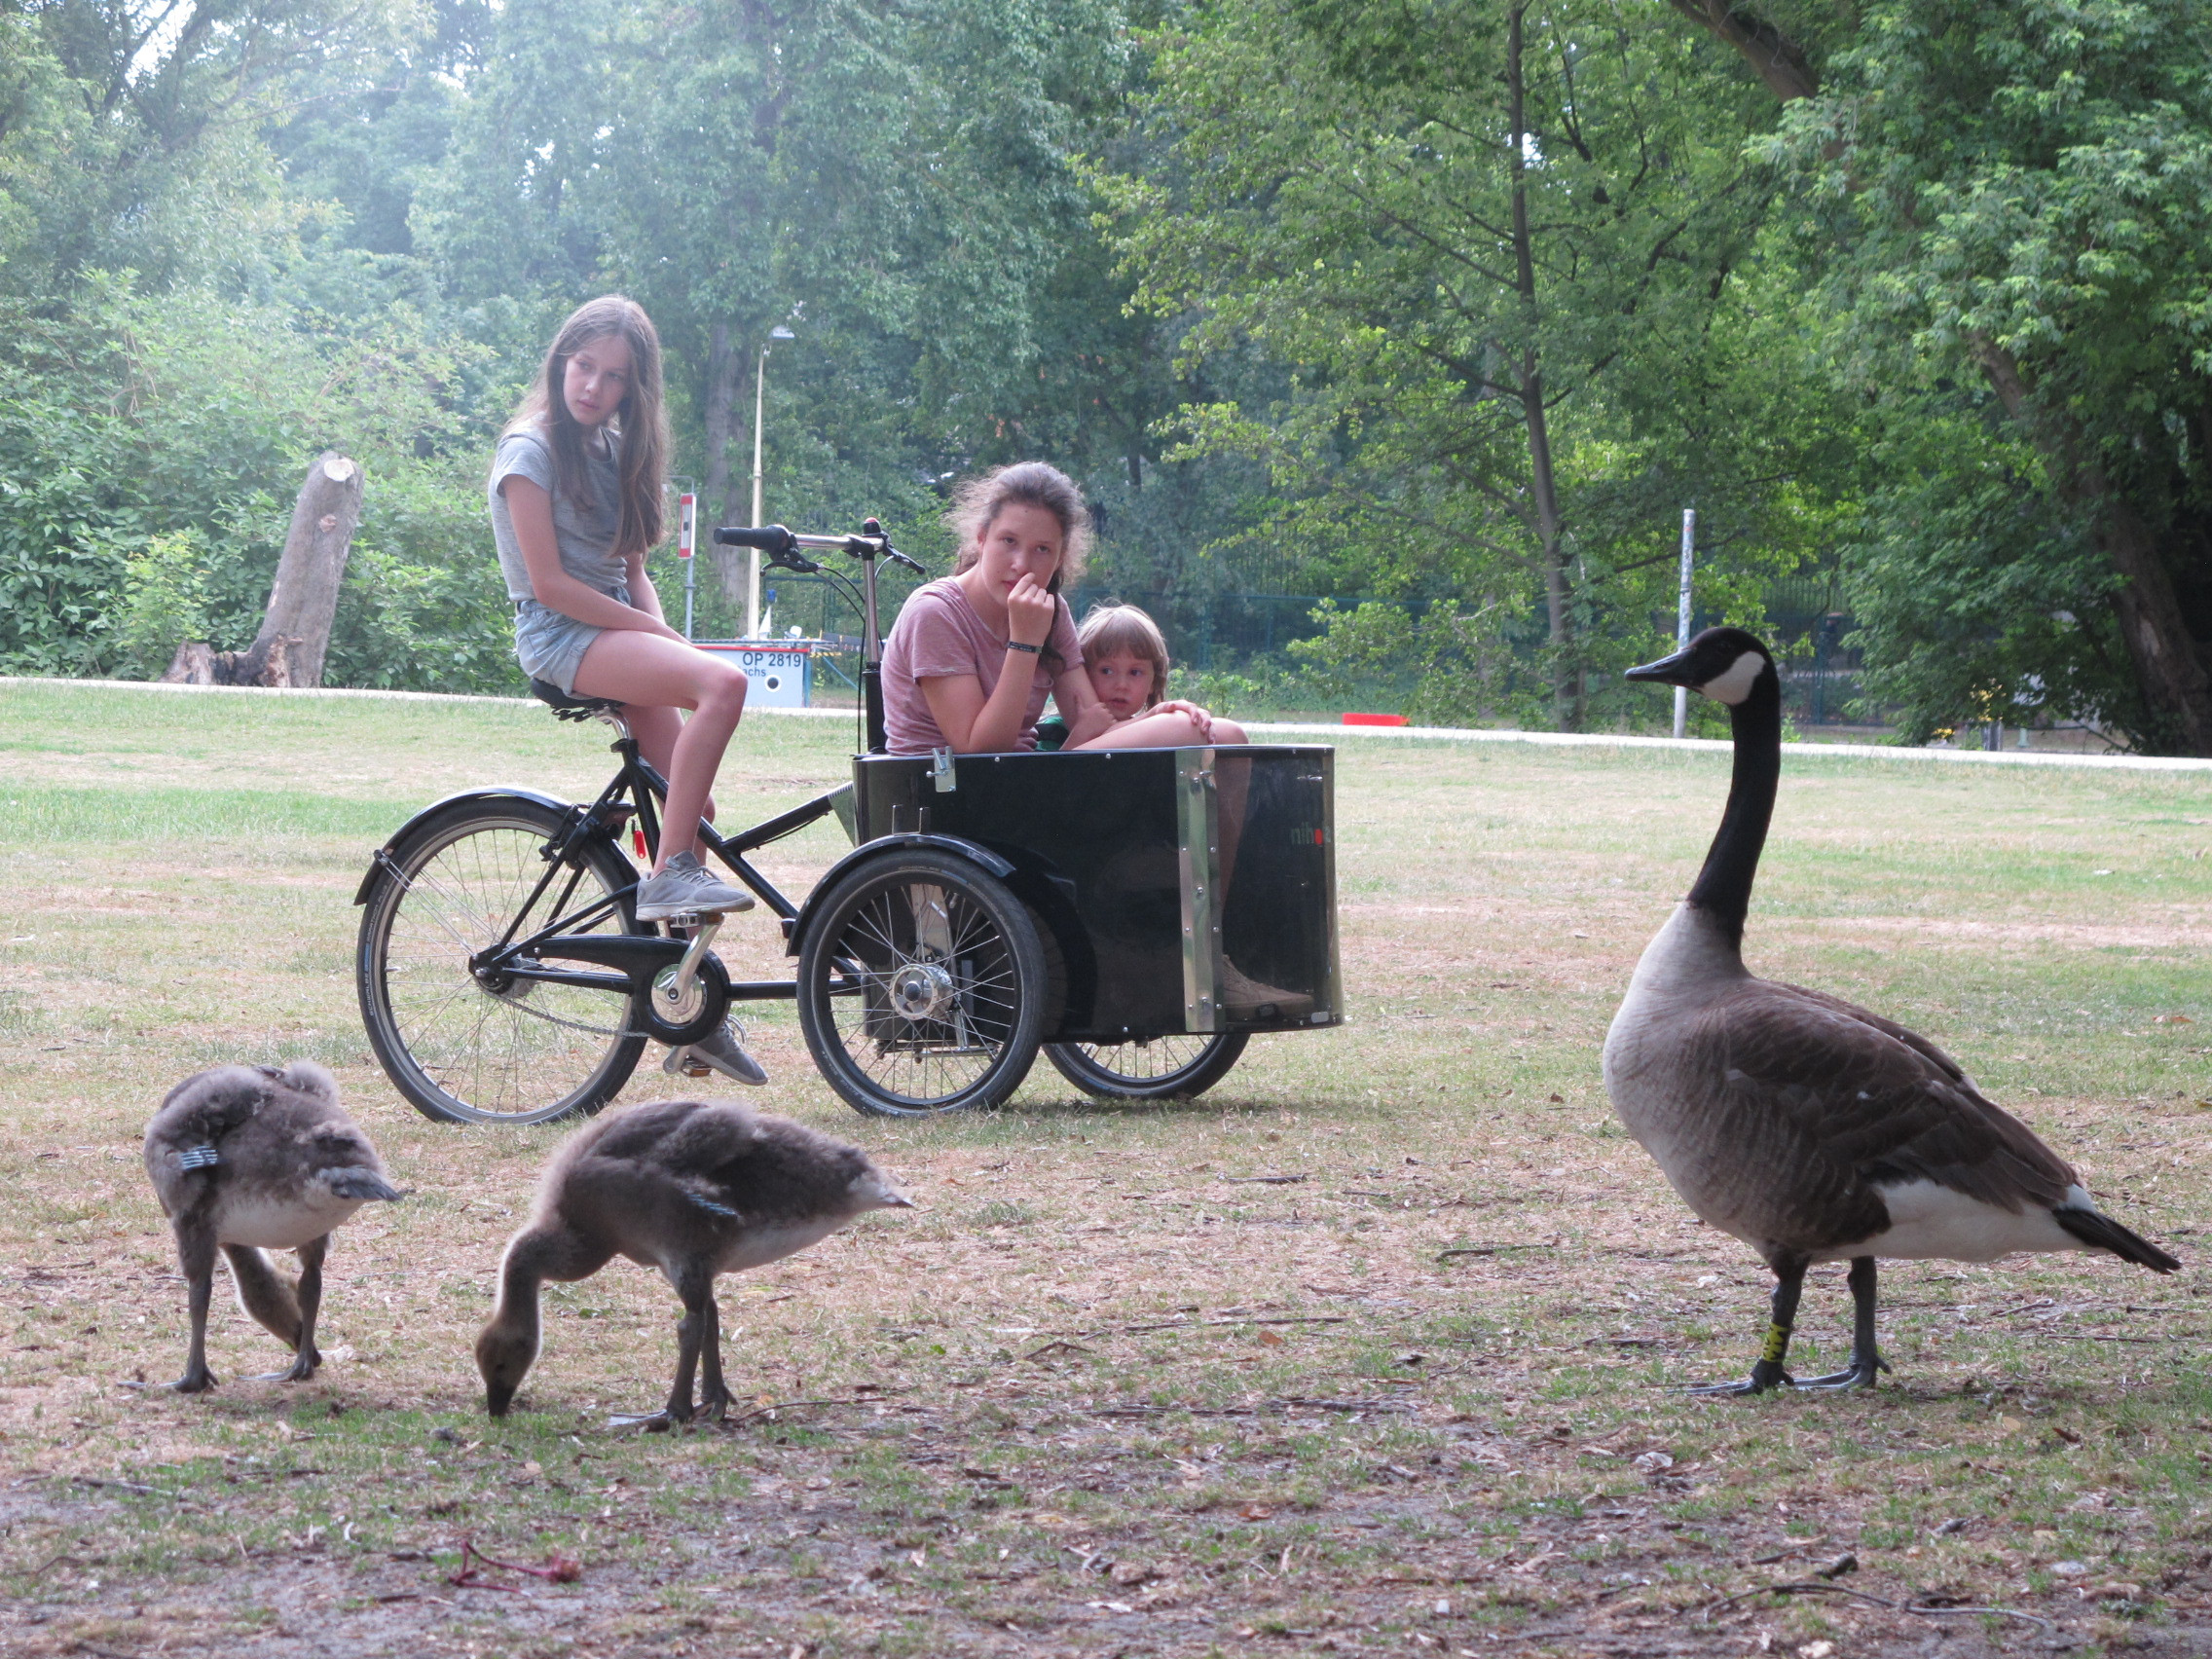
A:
(1125, 656)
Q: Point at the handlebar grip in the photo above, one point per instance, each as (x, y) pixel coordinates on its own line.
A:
(769, 538)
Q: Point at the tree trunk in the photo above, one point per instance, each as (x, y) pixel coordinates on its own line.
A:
(2167, 665)
(303, 601)
(1778, 61)
(724, 364)
(1567, 677)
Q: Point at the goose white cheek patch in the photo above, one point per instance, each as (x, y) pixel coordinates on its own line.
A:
(1733, 686)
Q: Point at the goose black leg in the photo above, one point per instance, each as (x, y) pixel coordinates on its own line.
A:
(697, 1289)
(714, 1392)
(309, 1294)
(195, 1254)
(1766, 1371)
(1866, 1361)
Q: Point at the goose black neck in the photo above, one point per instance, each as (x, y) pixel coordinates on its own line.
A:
(1723, 889)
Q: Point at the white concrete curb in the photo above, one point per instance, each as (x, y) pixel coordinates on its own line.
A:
(1282, 728)
(1712, 744)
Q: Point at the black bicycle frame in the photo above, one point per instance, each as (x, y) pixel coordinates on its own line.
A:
(635, 788)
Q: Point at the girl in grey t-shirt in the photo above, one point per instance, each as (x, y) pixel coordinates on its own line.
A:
(576, 496)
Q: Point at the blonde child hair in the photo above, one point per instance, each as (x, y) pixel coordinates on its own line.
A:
(1117, 630)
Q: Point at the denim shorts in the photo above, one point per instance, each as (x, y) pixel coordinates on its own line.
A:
(550, 644)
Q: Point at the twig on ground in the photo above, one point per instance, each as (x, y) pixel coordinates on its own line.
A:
(1260, 1180)
(785, 1406)
(1805, 1587)
(1058, 1343)
(558, 1569)
(1215, 1325)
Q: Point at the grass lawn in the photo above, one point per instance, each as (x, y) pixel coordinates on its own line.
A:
(1104, 1394)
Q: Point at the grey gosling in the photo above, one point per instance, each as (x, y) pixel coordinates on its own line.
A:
(693, 1188)
(1810, 1129)
(249, 1159)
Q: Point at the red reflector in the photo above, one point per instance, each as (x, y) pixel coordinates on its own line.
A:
(638, 838)
(1317, 841)
(1374, 719)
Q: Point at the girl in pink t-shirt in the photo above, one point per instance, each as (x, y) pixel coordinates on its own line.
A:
(972, 657)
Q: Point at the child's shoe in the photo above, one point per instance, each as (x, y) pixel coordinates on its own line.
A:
(719, 1051)
(684, 886)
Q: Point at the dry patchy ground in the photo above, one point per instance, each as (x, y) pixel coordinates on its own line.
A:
(1377, 1347)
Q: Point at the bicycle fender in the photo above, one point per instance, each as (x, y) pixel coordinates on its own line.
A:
(982, 856)
(408, 830)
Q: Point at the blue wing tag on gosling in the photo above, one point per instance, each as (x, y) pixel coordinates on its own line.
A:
(202, 1157)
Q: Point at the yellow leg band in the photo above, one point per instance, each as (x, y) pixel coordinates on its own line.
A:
(1777, 1344)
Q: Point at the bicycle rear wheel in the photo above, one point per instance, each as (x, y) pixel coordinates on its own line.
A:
(1148, 1068)
(471, 1049)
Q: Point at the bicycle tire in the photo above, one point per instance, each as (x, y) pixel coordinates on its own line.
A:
(1181, 1069)
(458, 1051)
(954, 986)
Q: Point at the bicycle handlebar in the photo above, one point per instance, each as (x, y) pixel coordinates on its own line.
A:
(782, 545)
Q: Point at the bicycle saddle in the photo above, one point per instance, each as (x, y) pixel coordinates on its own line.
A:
(567, 708)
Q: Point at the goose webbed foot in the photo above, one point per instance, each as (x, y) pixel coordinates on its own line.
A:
(301, 1370)
(191, 1383)
(1861, 1372)
(1766, 1376)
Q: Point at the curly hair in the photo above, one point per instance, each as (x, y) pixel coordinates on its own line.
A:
(980, 500)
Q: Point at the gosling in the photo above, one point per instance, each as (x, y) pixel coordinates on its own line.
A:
(249, 1158)
(695, 1189)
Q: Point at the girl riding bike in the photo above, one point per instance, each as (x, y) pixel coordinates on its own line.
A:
(575, 492)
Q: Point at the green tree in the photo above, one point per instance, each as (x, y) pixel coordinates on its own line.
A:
(2012, 207)
(1486, 239)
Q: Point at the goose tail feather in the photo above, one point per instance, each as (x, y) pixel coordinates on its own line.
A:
(2102, 1233)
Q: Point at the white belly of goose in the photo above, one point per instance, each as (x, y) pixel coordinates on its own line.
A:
(1929, 1222)
(282, 1224)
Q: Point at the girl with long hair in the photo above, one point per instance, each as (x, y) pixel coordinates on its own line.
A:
(575, 492)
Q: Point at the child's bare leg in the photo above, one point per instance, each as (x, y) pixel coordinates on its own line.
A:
(648, 671)
(658, 730)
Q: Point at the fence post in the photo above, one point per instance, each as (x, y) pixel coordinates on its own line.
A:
(1683, 615)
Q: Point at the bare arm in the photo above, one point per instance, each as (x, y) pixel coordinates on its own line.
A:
(530, 509)
(975, 724)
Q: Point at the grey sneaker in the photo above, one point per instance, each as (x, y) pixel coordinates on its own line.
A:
(724, 1053)
(685, 886)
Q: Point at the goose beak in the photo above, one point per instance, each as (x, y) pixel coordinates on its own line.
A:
(1667, 670)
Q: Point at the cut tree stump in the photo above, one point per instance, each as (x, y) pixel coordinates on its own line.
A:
(303, 601)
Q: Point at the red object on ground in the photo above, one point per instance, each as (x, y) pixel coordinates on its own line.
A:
(1374, 719)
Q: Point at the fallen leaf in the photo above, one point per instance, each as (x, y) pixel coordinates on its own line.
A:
(1255, 1512)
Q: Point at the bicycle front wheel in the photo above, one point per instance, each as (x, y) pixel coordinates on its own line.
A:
(466, 1048)
(923, 987)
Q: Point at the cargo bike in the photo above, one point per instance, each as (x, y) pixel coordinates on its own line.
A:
(1088, 904)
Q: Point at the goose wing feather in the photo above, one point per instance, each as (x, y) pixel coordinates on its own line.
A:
(1822, 1103)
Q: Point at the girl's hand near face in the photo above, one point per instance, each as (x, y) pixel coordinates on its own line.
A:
(1029, 612)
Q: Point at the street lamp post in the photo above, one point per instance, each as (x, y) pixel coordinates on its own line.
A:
(760, 407)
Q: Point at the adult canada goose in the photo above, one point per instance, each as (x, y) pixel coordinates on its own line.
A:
(1813, 1130)
(250, 1158)
(695, 1189)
